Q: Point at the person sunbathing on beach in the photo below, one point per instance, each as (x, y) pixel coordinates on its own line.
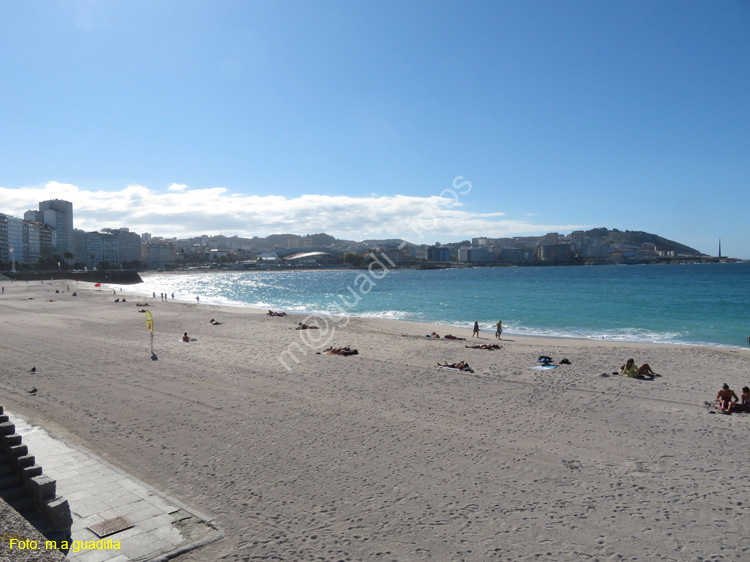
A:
(434, 335)
(302, 326)
(345, 351)
(483, 346)
(214, 322)
(450, 337)
(727, 398)
(185, 337)
(461, 365)
(272, 313)
(643, 372)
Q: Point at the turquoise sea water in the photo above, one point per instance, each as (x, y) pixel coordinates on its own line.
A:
(680, 304)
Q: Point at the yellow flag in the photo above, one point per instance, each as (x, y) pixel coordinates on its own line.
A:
(149, 322)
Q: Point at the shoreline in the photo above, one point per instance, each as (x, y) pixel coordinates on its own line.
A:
(437, 327)
(383, 451)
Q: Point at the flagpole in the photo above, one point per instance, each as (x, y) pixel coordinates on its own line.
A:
(150, 326)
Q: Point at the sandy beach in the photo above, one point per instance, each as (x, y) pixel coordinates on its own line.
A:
(383, 456)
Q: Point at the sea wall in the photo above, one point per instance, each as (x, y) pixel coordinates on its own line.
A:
(121, 276)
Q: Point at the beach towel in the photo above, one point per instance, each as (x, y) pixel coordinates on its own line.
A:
(544, 367)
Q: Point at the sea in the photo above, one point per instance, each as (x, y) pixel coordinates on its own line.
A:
(688, 304)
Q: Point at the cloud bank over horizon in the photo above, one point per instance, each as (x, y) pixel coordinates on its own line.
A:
(184, 212)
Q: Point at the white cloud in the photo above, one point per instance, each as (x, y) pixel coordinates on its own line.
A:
(183, 212)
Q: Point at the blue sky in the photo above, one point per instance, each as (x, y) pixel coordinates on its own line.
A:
(356, 118)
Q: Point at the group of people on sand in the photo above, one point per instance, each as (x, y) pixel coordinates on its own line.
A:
(186, 338)
(436, 336)
(498, 329)
(474, 334)
(728, 401)
(345, 351)
(272, 313)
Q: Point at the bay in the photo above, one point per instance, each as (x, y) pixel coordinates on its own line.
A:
(676, 304)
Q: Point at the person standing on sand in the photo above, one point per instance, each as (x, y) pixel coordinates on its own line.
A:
(198, 300)
(476, 330)
(499, 330)
(748, 337)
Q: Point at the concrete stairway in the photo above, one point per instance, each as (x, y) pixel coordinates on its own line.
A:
(27, 490)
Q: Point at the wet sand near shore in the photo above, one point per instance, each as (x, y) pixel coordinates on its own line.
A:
(383, 456)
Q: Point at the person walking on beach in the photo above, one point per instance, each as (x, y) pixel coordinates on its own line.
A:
(499, 330)
(476, 330)
(198, 300)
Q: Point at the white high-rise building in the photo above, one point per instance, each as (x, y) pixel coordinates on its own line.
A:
(59, 215)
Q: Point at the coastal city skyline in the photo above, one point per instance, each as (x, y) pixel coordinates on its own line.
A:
(426, 122)
(47, 237)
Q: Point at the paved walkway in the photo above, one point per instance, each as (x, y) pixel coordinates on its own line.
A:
(97, 492)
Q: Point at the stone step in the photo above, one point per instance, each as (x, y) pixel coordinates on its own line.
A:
(58, 537)
(14, 492)
(7, 428)
(13, 439)
(8, 481)
(22, 504)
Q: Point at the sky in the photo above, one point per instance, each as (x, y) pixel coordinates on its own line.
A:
(423, 120)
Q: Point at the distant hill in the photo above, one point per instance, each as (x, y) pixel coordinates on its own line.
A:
(604, 236)
(637, 237)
